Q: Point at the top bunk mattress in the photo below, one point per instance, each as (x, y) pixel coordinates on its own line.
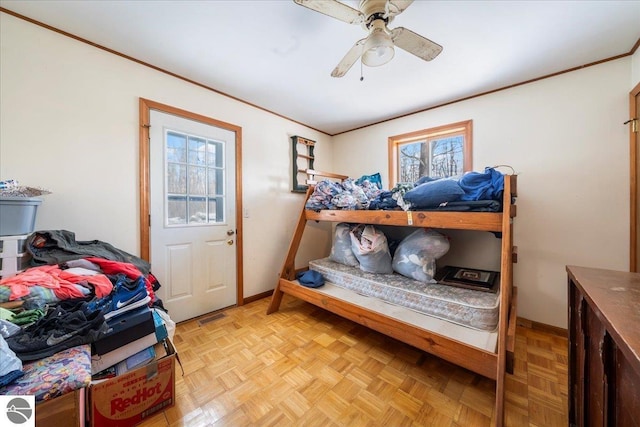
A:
(466, 307)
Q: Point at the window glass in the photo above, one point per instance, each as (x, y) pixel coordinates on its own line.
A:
(197, 153)
(176, 210)
(194, 192)
(176, 147)
(439, 152)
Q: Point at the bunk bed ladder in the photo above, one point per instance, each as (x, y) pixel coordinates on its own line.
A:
(288, 268)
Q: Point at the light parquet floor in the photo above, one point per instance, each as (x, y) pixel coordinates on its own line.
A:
(303, 366)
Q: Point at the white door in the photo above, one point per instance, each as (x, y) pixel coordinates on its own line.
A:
(192, 196)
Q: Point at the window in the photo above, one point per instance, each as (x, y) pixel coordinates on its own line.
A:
(438, 152)
(195, 180)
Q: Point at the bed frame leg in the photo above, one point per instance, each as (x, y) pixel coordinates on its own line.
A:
(276, 299)
(510, 362)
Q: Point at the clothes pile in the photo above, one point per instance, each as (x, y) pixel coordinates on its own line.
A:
(69, 297)
(473, 191)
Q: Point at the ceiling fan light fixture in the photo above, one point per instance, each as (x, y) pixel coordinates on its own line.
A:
(378, 49)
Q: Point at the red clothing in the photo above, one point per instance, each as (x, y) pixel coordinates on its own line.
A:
(101, 283)
(62, 283)
(128, 269)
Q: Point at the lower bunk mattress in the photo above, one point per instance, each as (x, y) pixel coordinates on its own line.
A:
(466, 307)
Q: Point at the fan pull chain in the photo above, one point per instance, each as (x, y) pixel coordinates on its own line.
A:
(361, 76)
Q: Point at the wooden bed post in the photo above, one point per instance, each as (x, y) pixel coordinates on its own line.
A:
(506, 277)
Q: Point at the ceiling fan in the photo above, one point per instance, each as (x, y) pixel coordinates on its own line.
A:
(377, 48)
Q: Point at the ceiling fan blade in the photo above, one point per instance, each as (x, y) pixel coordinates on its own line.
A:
(334, 9)
(396, 7)
(349, 59)
(415, 44)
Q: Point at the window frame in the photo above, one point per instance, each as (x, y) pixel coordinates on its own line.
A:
(395, 142)
(188, 196)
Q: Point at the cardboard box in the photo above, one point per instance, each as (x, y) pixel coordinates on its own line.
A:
(63, 411)
(126, 400)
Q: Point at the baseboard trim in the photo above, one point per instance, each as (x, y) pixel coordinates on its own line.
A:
(542, 327)
(257, 297)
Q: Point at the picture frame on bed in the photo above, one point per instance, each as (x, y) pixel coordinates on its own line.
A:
(479, 280)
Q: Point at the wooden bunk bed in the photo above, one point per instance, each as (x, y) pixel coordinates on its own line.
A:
(491, 363)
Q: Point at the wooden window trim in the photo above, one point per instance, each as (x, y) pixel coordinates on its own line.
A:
(397, 140)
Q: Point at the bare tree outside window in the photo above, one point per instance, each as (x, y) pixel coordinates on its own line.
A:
(439, 152)
(194, 170)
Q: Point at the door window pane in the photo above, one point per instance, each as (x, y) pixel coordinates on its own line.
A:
(176, 147)
(194, 180)
(197, 180)
(176, 178)
(197, 153)
(197, 210)
(216, 208)
(215, 154)
(177, 210)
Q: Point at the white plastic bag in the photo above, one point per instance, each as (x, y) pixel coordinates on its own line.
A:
(416, 255)
(341, 251)
(170, 324)
(370, 247)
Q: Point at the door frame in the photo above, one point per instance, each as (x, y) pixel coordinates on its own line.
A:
(146, 106)
(633, 155)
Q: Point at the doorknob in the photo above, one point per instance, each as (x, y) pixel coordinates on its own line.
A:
(230, 242)
(230, 232)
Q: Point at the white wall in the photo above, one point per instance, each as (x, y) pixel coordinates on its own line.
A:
(565, 139)
(69, 123)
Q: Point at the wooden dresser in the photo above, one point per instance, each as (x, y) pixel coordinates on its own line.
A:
(604, 347)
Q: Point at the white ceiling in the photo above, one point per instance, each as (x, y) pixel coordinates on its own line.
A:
(279, 56)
